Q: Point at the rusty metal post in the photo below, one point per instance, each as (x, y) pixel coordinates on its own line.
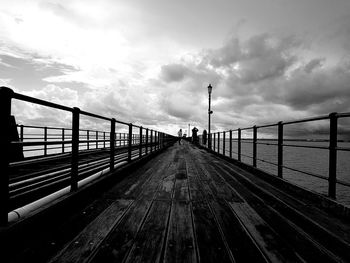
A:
(130, 142)
(255, 134)
(333, 143)
(5, 144)
(112, 145)
(239, 145)
(75, 149)
(280, 150)
(230, 143)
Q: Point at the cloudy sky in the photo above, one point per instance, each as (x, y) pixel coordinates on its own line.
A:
(150, 62)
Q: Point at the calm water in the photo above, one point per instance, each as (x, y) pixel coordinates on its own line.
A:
(314, 161)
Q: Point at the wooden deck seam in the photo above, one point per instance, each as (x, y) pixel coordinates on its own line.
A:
(223, 238)
(292, 225)
(285, 208)
(192, 219)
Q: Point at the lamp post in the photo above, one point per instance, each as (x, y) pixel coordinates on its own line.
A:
(209, 113)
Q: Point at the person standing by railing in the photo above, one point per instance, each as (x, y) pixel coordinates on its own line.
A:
(179, 133)
(194, 135)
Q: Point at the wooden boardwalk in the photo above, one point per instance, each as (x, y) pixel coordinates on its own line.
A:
(187, 205)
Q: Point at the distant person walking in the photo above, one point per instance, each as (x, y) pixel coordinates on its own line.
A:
(179, 133)
(194, 135)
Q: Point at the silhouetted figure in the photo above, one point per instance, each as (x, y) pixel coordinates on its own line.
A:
(179, 134)
(204, 137)
(194, 135)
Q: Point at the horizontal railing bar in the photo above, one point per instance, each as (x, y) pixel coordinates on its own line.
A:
(94, 116)
(265, 143)
(304, 172)
(306, 146)
(40, 102)
(344, 149)
(343, 114)
(343, 183)
(262, 160)
(319, 118)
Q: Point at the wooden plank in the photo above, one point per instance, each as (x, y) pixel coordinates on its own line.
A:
(91, 237)
(149, 241)
(116, 247)
(269, 242)
(166, 187)
(181, 189)
(210, 244)
(195, 191)
(242, 246)
(180, 245)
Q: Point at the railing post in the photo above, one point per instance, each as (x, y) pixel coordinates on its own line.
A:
(280, 150)
(45, 141)
(88, 140)
(255, 133)
(214, 142)
(218, 142)
(75, 149)
(129, 142)
(5, 144)
(223, 143)
(104, 139)
(162, 140)
(146, 141)
(230, 143)
(333, 138)
(239, 144)
(112, 145)
(151, 141)
(62, 140)
(140, 145)
(96, 139)
(158, 141)
(22, 132)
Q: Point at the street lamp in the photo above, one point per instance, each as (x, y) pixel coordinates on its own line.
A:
(210, 88)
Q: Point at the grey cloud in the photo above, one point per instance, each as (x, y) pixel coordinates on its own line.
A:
(262, 80)
(173, 72)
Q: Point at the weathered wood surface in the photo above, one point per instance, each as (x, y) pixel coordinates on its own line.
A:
(187, 205)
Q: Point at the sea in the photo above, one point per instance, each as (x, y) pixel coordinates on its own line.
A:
(310, 160)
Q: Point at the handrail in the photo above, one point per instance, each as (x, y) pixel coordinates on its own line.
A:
(281, 142)
(136, 145)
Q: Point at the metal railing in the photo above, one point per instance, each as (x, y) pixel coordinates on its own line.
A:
(235, 136)
(72, 142)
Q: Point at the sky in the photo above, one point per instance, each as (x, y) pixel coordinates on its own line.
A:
(150, 62)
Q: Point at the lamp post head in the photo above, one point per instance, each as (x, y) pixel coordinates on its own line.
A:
(210, 88)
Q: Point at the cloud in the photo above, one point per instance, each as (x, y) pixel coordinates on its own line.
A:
(264, 79)
(173, 72)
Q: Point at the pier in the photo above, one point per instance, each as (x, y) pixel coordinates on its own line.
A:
(140, 196)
